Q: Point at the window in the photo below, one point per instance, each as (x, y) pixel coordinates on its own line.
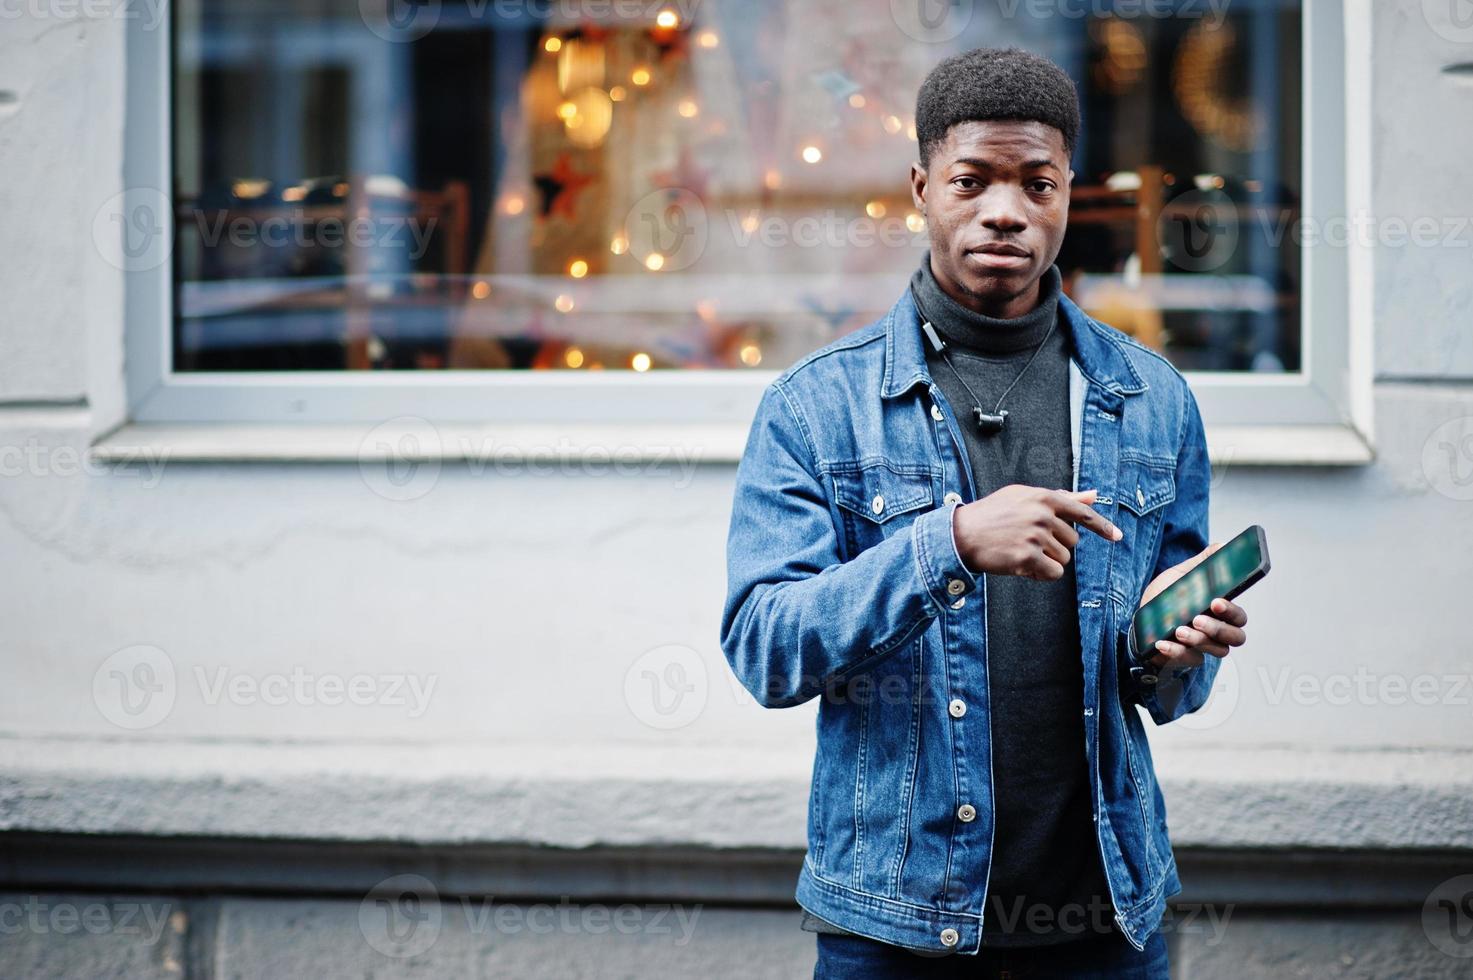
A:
(615, 196)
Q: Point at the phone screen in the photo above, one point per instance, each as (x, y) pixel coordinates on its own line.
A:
(1219, 576)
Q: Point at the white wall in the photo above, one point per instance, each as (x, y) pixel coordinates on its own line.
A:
(529, 598)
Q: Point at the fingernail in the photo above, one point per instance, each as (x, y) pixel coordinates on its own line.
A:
(1161, 645)
(1117, 533)
(1181, 631)
(1201, 622)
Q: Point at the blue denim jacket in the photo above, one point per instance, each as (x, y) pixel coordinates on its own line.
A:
(844, 582)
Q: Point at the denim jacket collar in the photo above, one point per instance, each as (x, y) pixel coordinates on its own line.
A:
(1098, 355)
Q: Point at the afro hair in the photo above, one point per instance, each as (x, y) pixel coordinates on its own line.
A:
(995, 83)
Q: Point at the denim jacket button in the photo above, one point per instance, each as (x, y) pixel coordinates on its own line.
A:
(966, 813)
(1140, 497)
(936, 413)
(956, 586)
(950, 937)
(878, 504)
(952, 498)
(957, 707)
(959, 603)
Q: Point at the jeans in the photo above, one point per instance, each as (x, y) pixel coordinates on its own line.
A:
(1106, 958)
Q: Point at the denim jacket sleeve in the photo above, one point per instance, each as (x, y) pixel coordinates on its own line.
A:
(798, 616)
(1184, 534)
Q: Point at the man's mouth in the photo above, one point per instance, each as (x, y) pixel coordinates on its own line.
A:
(999, 255)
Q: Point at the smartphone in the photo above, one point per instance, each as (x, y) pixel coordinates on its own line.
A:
(1225, 574)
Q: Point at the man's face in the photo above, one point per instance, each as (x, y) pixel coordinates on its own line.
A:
(996, 200)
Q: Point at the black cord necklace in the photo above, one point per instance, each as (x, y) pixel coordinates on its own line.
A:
(988, 423)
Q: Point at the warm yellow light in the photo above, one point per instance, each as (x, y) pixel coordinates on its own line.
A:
(552, 45)
(707, 39)
(592, 116)
(749, 222)
(617, 93)
(563, 303)
(340, 189)
(619, 245)
(566, 111)
(573, 357)
(910, 131)
(577, 268)
(772, 180)
(875, 209)
(856, 100)
(513, 204)
(655, 262)
(295, 193)
(812, 154)
(481, 290)
(640, 76)
(640, 361)
(687, 108)
(247, 189)
(751, 355)
(915, 222)
(667, 19)
(892, 124)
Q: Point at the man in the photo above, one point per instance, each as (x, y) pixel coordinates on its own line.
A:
(942, 527)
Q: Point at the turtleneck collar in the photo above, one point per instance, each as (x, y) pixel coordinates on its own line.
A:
(977, 332)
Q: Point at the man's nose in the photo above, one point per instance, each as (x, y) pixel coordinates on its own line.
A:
(1003, 209)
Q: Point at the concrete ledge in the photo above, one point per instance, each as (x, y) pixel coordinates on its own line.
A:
(628, 443)
(647, 795)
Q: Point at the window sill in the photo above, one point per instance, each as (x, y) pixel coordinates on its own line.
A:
(407, 440)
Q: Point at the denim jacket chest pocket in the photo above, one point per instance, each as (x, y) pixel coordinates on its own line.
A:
(877, 498)
(1146, 486)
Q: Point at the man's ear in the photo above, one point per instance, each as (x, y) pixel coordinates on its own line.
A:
(918, 186)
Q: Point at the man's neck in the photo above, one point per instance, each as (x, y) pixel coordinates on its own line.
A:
(969, 329)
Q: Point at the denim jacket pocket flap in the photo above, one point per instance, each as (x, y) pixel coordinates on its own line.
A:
(878, 492)
(1146, 483)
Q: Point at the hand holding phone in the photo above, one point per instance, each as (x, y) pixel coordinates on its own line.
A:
(1224, 574)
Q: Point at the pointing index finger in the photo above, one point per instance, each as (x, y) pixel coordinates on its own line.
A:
(1076, 506)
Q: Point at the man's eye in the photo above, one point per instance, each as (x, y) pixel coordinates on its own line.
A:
(967, 183)
(1042, 187)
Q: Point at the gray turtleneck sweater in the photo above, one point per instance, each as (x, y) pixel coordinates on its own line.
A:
(1045, 862)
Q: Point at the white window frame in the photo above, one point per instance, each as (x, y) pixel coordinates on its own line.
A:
(1320, 415)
